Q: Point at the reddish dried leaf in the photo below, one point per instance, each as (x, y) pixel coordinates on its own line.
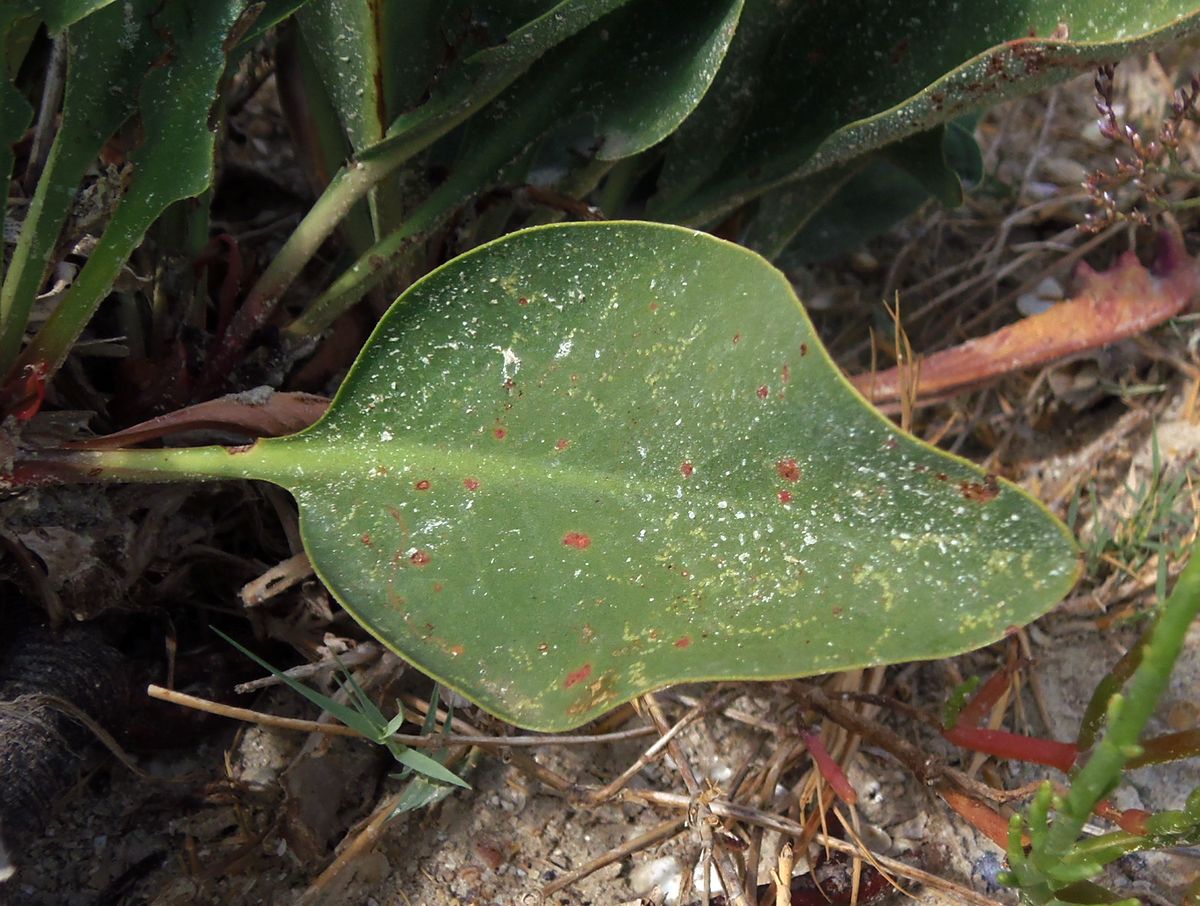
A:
(1124, 301)
(254, 413)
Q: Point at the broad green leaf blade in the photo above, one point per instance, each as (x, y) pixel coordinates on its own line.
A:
(175, 160)
(696, 150)
(589, 460)
(101, 93)
(662, 62)
(846, 77)
(58, 14)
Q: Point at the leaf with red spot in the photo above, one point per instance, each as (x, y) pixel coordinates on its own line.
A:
(690, 530)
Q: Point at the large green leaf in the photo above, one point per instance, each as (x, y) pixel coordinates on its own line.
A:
(660, 62)
(834, 79)
(58, 14)
(589, 460)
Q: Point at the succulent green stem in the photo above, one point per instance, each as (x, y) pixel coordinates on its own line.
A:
(1149, 682)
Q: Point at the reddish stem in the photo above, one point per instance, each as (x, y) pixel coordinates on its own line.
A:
(231, 284)
(1004, 744)
(1168, 747)
(976, 710)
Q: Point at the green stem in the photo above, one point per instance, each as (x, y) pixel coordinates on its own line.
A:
(348, 186)
(367, 272)
(175, 464)
(1183, 205)
(528, 113)
(1128, 715)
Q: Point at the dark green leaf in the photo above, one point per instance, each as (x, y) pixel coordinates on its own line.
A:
(846, 77)
(613, 78)
(872, 201)
(15, 111)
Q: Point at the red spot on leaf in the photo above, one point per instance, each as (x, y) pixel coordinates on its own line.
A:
(422, 485)
(420, 558)
(455, 650)
(785, 496)
(737, 338)
(522, 301)
(438, 586)
(683, 642)
(471, 484)
(762, 392)
(654, 306)
(980, 492)
(509, 384)
(500, 432)
(687, 469)
(785, 373)
(788, 470)
(366, 539)
(562, 443)
(577, 540)
(803, 349)
(577, 676)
